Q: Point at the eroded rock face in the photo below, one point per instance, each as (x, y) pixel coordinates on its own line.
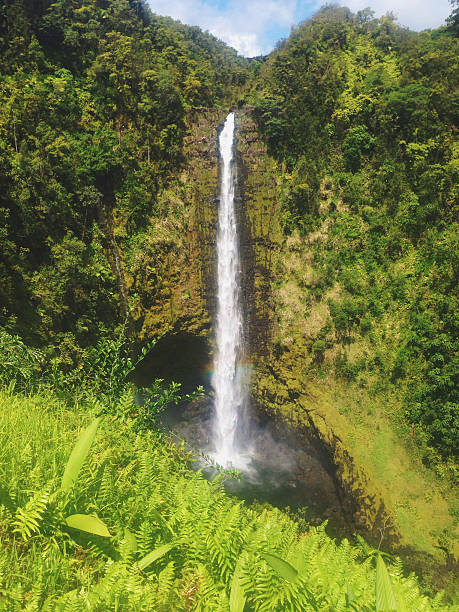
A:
(280, 386)
(260, 233)
(176, 289)
(174, 277)
(177, 280)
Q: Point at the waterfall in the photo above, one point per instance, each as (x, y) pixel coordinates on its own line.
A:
(228, 379)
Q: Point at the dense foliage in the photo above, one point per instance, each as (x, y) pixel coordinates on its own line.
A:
(362, 115)
(94, 97)
(122, 523)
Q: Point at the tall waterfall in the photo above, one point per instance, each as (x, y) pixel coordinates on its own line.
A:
(228, 380)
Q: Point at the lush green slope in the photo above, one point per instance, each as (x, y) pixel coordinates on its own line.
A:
(94, 98)
(361, 114)
(211, 552)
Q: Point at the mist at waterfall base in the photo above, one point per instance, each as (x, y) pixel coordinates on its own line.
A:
(286, 469)
(275, 465)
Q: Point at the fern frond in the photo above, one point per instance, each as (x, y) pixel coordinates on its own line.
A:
(125, 404)
(224, 541)
(105, 491)
(207, 593)
(145, 536)
(28, 519)
(166, 580)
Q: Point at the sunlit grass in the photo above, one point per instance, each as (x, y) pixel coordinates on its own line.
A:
(175, 533)
(418, 502)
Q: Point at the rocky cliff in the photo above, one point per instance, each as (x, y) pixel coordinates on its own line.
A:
(175, 277)
(177, 293)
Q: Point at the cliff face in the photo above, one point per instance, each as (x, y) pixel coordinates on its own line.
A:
(175, 283)
(172, 276)
(175, 280)
(260, 232)
(175, 288)
(383, 485)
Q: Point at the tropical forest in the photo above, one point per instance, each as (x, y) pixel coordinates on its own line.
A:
(228, 314)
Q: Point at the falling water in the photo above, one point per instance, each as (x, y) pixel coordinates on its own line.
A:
(228, 380)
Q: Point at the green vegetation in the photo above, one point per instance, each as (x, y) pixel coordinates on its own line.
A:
(361, 115)
(103, 103)
(94, 99)
(122, 523)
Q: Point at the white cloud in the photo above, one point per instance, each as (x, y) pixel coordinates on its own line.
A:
(246, 44)
(243, 24)
(253, 26)
(414, 14)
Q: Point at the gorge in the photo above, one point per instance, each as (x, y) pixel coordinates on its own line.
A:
(257, 255)
(325, 469)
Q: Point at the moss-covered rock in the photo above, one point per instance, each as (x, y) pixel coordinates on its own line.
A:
(170, 268)
(391, 496)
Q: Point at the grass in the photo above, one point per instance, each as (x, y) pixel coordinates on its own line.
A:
(419, 504)
(179, 542)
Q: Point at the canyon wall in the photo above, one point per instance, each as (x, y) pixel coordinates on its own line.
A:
(179, 297)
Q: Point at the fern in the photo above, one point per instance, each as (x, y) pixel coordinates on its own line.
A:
(125, 404)
(28, 519)
(223, 542)
(35, 595)
(166, 583)
(207, 594)
(105, 490)
(15, 595)
(141, 487)
(146, 539)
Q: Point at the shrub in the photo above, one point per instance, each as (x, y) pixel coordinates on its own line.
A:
(358, 142)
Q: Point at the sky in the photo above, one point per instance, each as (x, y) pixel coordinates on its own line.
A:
(254, 26)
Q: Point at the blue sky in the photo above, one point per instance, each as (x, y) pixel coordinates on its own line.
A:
(254, 26)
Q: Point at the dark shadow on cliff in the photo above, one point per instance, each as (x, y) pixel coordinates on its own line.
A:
(180, 357)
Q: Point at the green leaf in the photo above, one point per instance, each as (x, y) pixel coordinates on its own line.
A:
(237, 595)
(284, 569)
(131, 541)
(88, 523)
(78, 455)
(385, 598)
(154, 554)
(161, 520)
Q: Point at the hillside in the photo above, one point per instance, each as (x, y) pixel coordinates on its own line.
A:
(96, 102)
(347, 165)
(360, 116)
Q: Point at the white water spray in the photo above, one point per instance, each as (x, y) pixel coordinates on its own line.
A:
(228, 380)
